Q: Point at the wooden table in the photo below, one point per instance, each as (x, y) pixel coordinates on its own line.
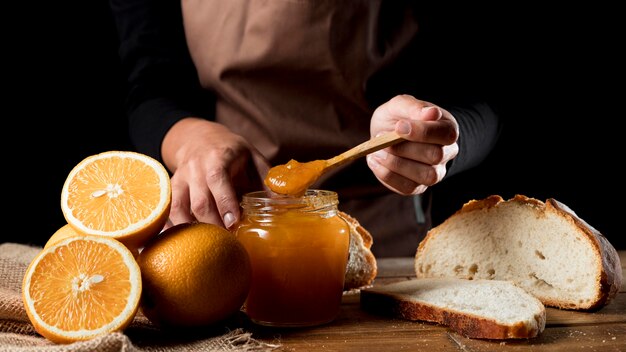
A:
(357, 330)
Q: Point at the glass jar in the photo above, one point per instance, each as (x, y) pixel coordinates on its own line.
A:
(298, 248)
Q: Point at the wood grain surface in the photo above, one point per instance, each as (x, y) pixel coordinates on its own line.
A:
(357, 330)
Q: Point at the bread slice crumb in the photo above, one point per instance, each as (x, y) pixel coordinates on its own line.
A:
(487, 309)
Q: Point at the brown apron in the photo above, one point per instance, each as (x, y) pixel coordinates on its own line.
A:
(290, 76)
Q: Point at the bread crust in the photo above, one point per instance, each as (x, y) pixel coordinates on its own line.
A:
(474, 204)
(608, 282)
(362, 267)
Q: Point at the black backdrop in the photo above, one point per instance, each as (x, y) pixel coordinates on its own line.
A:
(561, 138)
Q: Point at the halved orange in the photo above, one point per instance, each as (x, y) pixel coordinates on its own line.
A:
(120, 194)
(82, 287)
(66, 231)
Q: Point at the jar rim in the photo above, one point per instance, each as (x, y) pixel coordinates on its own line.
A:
(312, 199)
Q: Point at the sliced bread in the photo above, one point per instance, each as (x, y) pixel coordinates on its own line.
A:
(544, 248)
(362, 268)
(485, 309)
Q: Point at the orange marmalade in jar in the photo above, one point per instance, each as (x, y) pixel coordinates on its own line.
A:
(298, 249)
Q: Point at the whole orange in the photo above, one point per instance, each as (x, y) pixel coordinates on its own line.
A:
(193, 274)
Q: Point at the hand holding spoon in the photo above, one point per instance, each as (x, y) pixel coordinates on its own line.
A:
(294, 178)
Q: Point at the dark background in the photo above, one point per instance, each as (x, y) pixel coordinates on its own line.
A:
(561, 137)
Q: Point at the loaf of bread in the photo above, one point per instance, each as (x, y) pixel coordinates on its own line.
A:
(544, 248)
(485, 309)
(362, 268)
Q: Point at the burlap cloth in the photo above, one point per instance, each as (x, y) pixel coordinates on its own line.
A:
(17, 333)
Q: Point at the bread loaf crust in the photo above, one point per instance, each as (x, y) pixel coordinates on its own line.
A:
(362, 268)
(609, 279)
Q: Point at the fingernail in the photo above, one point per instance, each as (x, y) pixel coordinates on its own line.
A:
(229, 219)
(371, 161)
(403, 127)
(437, 111)
(381, 154)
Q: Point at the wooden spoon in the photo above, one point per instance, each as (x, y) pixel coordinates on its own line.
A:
(294, 178)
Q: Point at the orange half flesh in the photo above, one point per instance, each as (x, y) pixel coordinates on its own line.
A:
(82, 287)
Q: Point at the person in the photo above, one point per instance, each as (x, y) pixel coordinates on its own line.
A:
(220, 91)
